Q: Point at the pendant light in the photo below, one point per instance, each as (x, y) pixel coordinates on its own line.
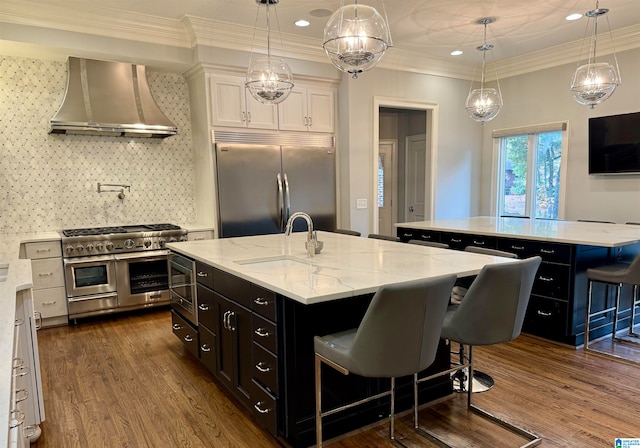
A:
(269, 78)
(356, 37)
(484, 104)
(594, 82)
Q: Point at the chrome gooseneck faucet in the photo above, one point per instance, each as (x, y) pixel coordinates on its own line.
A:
(313, 245)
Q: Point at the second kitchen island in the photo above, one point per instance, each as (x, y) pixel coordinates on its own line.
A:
(255, 303)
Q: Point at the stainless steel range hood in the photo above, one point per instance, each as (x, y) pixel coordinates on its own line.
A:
(109, 98)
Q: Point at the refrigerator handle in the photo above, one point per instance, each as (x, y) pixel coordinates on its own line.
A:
(280, 201)
(287, 198)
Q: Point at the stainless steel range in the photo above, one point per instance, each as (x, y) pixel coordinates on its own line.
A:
(113, 269)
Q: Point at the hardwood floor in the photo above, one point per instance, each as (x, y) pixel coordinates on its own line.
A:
(126, 381)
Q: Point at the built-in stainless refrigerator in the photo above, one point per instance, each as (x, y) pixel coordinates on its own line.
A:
(263, 178)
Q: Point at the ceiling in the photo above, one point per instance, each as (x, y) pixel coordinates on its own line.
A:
(430, 28)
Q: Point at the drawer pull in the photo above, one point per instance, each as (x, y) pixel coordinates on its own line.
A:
(16, 418)
(19, 322)
(454, 240)
(205, 348)
(544, 313)
(21, 395)
(49, 303)
(425, 237)
(21, 371)
(547, 251)
(203, 307)
(176, 327)
(188, 338)
(261, 301)
(258, 408)
(517, 247)
(17, 363)
(42, 251)
(407, 234)
(45, 274)
(479, 243)
(261, 367)
(38, 317)
(202, 274)
(545, 279)
(200, 238)
(262, 332)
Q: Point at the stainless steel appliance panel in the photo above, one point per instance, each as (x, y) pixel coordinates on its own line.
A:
(249, 192)
(182, 287)
(90, 275)
(142, 280)
(311, 182)
(93, 305)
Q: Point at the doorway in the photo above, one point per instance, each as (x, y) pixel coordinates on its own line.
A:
(411, 194)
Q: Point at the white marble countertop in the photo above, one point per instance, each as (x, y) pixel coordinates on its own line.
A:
(571, 232)
(347, 266)
(18, 278)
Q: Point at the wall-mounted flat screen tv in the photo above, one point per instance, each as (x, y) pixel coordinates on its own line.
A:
(614, 144)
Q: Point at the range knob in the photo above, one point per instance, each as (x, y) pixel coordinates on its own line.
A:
(147, 243)
(183, 238)
(69, 249)
(161, 242)
(89, 247)
(99, 246)
(172, 239)
(108, 245)
(80, 248)
(129, 244)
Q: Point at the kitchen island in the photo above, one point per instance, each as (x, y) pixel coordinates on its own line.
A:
(568, 248)
(260, 301)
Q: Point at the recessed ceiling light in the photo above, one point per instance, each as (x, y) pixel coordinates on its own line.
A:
(302, 22)
(456, 52)
(574, 16)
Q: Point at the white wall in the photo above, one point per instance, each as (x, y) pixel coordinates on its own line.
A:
(543, 97)
(459, 140)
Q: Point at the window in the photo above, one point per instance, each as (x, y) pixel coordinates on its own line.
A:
(530, 175)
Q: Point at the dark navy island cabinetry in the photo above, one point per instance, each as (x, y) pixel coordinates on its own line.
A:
(556, 309)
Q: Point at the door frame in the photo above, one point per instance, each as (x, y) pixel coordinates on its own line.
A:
(394, 180)
(432, 112)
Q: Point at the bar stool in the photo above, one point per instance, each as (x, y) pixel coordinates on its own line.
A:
(618, 274)
(492, 312)
(429, 244)
(347, 232)
(378, 236)
(398, 336)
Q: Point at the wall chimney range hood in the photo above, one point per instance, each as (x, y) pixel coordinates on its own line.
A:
(109, 98)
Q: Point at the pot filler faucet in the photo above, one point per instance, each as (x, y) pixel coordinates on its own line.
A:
(312, 244)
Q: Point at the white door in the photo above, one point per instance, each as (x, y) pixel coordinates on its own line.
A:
(386, 197)
(417, 166)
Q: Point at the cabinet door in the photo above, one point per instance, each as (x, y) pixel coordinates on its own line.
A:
(320, 110)
(226, 342)
(293, 111)
(227, 102)
(261, 116)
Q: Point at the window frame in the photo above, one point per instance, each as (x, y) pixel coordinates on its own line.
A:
(497, 166)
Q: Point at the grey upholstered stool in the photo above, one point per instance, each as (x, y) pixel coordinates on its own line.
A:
(347, 232)
(377, 236)
(482, 382)
(492, 312)
(429, 244)
(618, 274)
(398, 336)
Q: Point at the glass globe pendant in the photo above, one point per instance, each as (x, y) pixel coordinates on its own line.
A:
(594, 82)
(269, 78)
(484, 104)
(356, 38)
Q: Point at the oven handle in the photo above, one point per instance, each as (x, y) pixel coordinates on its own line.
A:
(86, 260)
(92, 297)
(142, 256)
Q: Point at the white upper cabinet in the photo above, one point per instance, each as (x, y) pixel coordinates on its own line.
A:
(308, 109)
(233, 106)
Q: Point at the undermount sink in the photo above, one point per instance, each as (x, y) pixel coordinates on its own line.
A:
(279, 261)
(4, 270)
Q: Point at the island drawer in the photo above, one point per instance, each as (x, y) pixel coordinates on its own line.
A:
(265, 368)
(263, 302)
(550, 252)
(207, 310)
(204, 274)
(43, 249)
(264, 409)
(185, 332)
(50, 302)
(232, 287)
(264, 333)
(552, 280)
(546, 317)
(461, 240)
(415, 234)
(208, 353)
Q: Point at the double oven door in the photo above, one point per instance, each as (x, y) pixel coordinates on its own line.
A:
(91, 285)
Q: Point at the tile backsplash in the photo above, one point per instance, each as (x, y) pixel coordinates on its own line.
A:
(50, 182)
